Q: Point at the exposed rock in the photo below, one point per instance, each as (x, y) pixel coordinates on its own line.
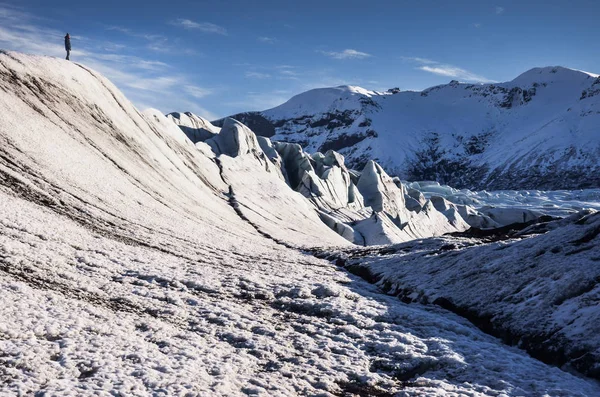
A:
(254, 120)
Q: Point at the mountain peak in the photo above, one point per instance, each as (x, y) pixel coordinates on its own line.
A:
(552, 74)
(343, 97)
(354, 89)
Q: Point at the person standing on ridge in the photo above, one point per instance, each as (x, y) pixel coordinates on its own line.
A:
(68, 45)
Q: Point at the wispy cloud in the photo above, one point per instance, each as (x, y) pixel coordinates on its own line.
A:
(346, 54)
(261, 72)
(430, 66)
(325, 77)
(113, 47)
(458, 73)
(257, 75)
(260, 100)
(42, 41)
(197, 92)
(205, 27)
(132, 33)
(423, 61)
(155, 42)
(477, 25)
(165, 47)
(129, 61)
(289, 74)
(267, 40)
(499, 10)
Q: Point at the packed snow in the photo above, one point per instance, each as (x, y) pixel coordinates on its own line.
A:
(134, 261)
(539, 289)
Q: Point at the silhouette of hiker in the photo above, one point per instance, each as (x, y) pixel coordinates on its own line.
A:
(68, 45)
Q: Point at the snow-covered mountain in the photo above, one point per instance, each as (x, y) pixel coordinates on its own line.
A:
(134, 261)
(540, 130)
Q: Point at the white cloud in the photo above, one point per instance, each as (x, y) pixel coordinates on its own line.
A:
(156, 42)
(289, 74)
(346, 54)
(119, 29)
(197, 92)
(260, 101)
(34, 40)
(430, 66)
(267, 40)
(423, 61)
(499, 10)
(11, 13)
(456, 72)
(113, 47)
(257, 75)
(325, 80)
(281, 72)
(129, 61)
(477, 25)
(205, 27)
(129, 32)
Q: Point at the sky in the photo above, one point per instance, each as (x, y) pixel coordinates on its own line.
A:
(216, 58)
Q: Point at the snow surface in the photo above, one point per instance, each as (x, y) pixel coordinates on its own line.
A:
(195, 127)
(540, 289)
(133, 262)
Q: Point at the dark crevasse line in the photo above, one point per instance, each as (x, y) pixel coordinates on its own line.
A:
(236, 207)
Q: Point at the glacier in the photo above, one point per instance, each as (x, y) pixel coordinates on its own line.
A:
(137, 261)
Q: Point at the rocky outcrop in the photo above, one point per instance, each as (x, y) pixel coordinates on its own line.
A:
(254, 120)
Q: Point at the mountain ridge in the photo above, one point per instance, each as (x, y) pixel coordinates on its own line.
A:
(538, 130)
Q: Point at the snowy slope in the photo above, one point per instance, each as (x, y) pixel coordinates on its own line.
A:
(116, 162)
(539, 290)
(538, 131)
(133, 262)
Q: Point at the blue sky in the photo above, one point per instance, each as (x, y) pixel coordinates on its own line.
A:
(220, 57)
